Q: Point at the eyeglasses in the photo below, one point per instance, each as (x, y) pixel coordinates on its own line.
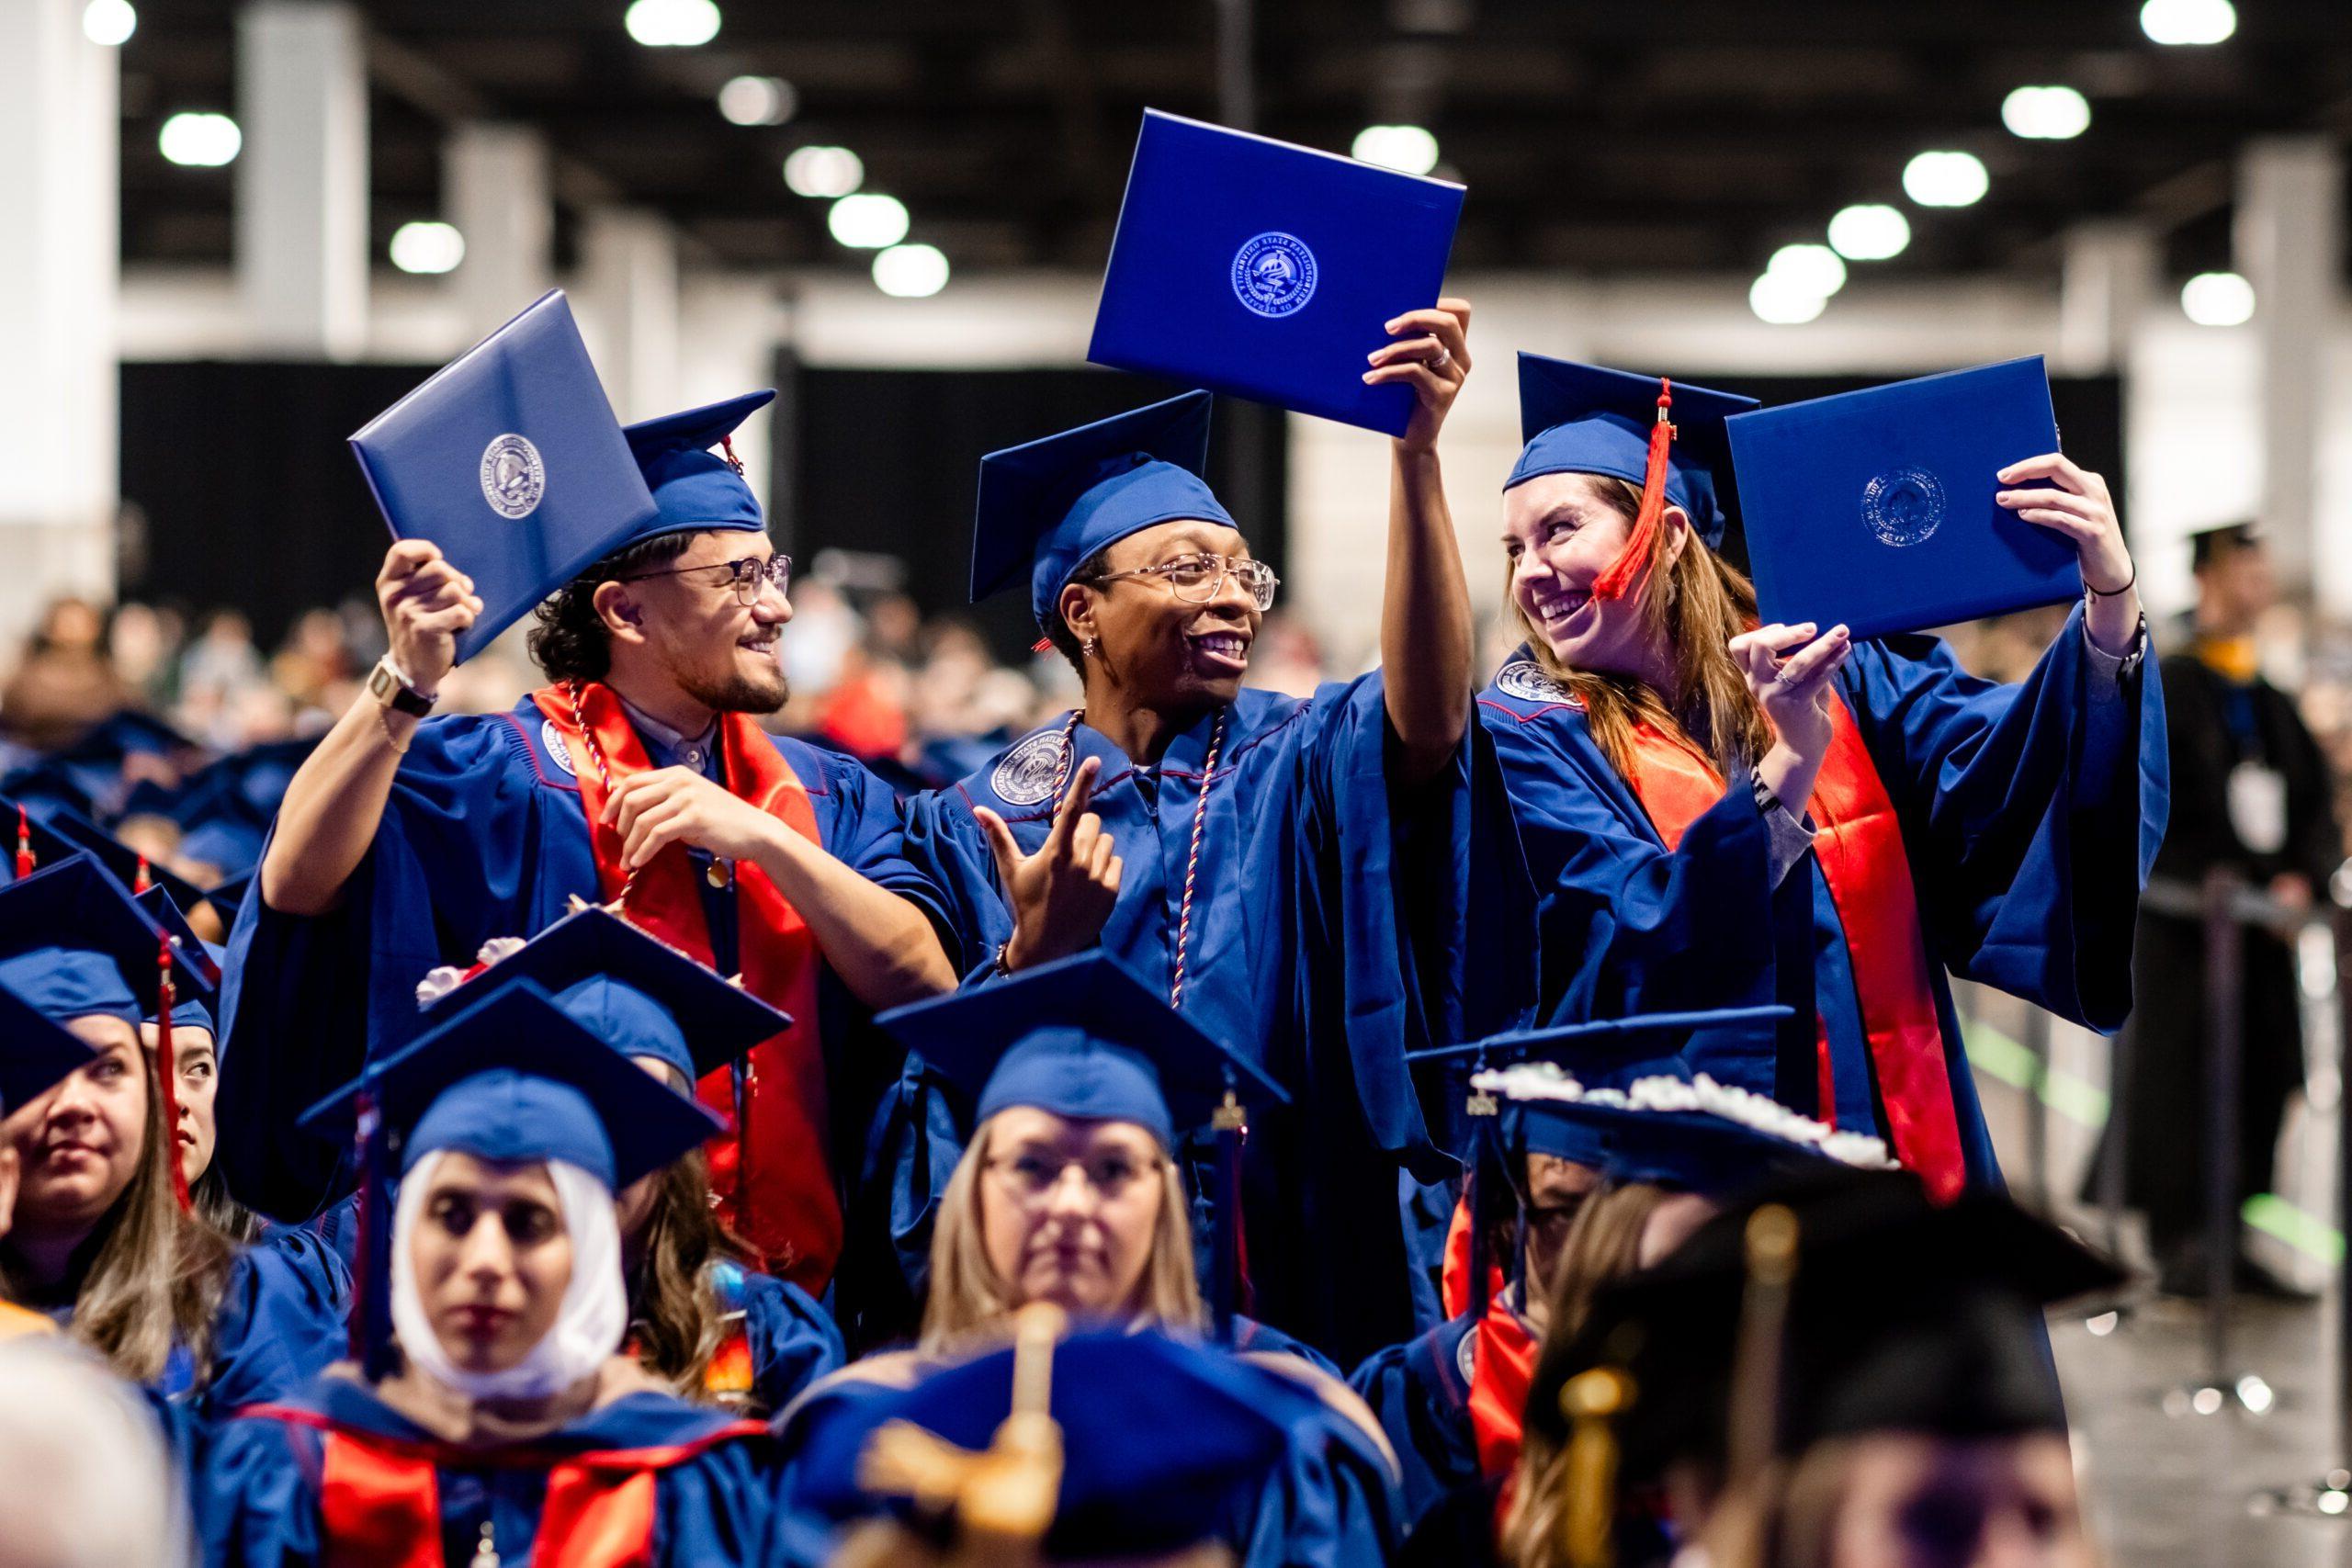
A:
(748, 577)
(1033, 1177)
(1197, 579)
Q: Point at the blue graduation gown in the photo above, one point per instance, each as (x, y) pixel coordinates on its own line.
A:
(258, 1501)
(484, 836)
(1419, 1391)
(283, 1320)
(1331, 916)
(1332, 1503)
(792, 1341)
(2031, 815)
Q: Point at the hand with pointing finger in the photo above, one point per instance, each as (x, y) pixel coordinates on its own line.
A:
(1063, 894)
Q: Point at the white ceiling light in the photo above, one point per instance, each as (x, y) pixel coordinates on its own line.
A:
(823, 171)
(1782, 301)
(910, 272)
(671, 23)
(1870, 231)
(757, 100)
(201, 141)
(2188, 21)
(427, 247)
(2217, 299)
(2046, 114)
(1816, 269)
(1408, 147)
(109, 23)
(868, 223)
(1946, 179)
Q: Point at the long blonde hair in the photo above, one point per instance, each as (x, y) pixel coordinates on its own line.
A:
(966, 1296)
(1695, 607)
(1603, 1244)
(155, 1275)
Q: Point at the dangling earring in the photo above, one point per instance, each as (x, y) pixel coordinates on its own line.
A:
(1092, 647)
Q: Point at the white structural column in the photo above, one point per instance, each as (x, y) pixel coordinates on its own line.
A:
(302, 178)
(630, 308)
(59, 194)
(496, 183)
(2289, 238)
(2107, 284)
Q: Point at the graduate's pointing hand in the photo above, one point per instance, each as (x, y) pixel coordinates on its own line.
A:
(427, 604)
(677, 806)
(1062, 894)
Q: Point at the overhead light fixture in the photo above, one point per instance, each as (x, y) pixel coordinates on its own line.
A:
(427, 247)
(1946, 179)
(2188, 21)
(1782, 301)
(1408, 147)
(109, 23)
(671, 23)
(2218, 300)
(910, 272)
(757, 100)
(2046, 114)
(1816, 269)
(201, 141)
(1870, 231)
(824, 172)
(868, 223)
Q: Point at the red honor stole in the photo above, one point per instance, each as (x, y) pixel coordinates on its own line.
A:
(780, 1196)
(380, 1498)
(1502, 1357)
(1860, 847)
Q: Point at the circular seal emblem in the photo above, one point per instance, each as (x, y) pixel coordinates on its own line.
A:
(1273, 273)
(1025, 774)
(551, 742)
(1905, 507)
(1526, 680)
(513, 476)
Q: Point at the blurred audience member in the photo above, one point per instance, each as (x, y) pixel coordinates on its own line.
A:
(65, 683)
(89, 1481)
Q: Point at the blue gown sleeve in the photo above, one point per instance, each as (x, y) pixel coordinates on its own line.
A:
(2031, 813)
(256, 1499)
(282, 1321)
(793, 1340)
(1332, 1502)
(865, 830)
(716, 1508)
(1419, 1405)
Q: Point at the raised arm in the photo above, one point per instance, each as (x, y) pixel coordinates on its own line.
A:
(336, 800)
(1426, 627)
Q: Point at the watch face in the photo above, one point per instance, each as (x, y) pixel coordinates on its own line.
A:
(380, 681)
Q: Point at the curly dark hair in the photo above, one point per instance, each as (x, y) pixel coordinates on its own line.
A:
(1058, 632)
(570, 642)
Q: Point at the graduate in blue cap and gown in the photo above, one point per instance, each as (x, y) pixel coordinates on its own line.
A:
(1108, 1446)
(35, 1054)
(1606, 1149)
(1302, 875)
(1718, 812)
(701, 1315)
(103, 1238)
(639, 776)
(505, 1423)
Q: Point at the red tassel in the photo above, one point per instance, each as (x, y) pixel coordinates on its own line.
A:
(143, 881)
(1629, 566)
(168, 1071)
(727, 445)
(1042, 645)
(24, 845)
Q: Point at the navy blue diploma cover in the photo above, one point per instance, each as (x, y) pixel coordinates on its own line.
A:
(1875, 508)
(509, 458)
(1269, 271)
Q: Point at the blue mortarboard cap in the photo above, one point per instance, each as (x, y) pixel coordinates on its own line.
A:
(511, 1077)
(204, 958)
(77, 944)
(45, 843)
(127, 865)
(1048, 506)
(635, 992)
(1081, 1037)
(693, 488)
(510, 460)
(34, 1052)
(1583, 419)
(1163, 1442)
(132, 732)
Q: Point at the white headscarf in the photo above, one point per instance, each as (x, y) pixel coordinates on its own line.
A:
(588, 1326)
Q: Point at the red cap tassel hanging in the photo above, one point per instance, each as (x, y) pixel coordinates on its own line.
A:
(168, 1075)
(143, 880)
(1629, 566)
(24, 845)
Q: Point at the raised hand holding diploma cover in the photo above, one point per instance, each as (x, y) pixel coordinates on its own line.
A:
(509, 459)
(1269, 271)
(1876, 508)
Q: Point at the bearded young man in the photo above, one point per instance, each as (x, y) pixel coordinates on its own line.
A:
(639, 773)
